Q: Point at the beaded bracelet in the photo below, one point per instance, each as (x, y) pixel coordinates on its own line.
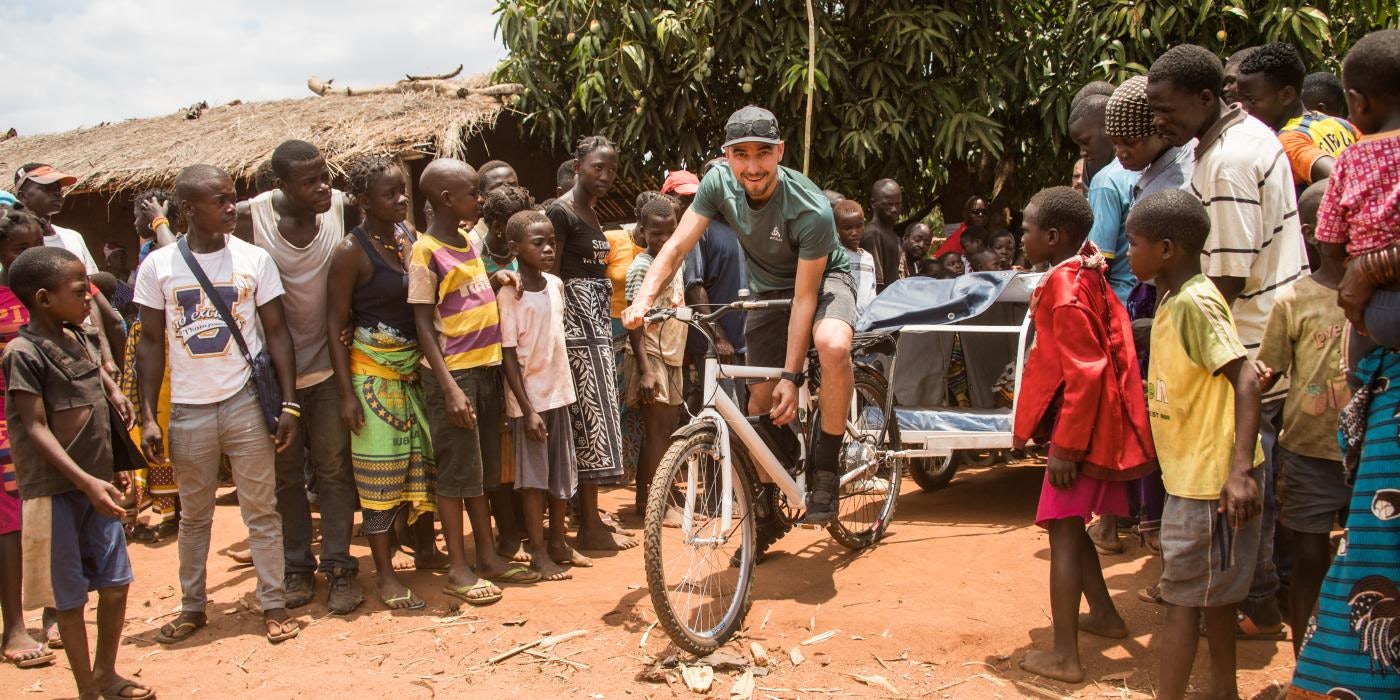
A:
(159, 221)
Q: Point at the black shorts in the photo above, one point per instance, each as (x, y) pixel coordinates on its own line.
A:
(765, 330)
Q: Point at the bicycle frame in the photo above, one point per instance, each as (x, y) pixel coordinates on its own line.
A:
(727, 417)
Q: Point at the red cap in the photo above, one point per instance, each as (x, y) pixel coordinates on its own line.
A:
(681, 182)
(43, 174)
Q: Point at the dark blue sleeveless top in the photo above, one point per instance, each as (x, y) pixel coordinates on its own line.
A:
(384, 298)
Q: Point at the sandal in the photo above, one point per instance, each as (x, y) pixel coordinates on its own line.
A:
(281, 630)
(181, 628)
(119, 686)
(1247, 628)
(1151, 594)
(30, 658)
(138, 532)
(464, 593)
(407, 601)
(517, 573)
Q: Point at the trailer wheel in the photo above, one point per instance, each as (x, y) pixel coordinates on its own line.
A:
(933, 473)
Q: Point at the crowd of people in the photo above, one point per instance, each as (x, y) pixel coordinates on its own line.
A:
(1216, 338)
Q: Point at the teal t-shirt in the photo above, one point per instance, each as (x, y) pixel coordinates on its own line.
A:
(795, 224)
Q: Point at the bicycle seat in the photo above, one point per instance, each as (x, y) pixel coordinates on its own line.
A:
(869, 343)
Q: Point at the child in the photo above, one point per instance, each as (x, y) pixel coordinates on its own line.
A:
(1098, 436)
(1351, 651)
(986, 260)
(19, 231)
(653, 367)
(952, 265)
(455, 313)
(215, 411)
(1203, 401)
(974, 240)
(1303, 339)
(532, 336)
(850, 227)
(56, 409)
(1004, 245)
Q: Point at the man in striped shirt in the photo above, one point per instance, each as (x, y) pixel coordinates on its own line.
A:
(1255, 246)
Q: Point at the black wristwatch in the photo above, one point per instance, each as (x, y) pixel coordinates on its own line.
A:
(795, 377)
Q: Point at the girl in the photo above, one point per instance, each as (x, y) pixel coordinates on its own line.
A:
(381, 399)
(595, 416)
(19, 231)
(532, 336)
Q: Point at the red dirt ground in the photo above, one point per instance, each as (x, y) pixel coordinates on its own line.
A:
(942, 608)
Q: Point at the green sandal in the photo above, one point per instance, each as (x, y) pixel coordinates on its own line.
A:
(464, 593)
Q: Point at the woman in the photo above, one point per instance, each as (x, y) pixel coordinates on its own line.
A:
(582, 264)
(976, 214)
(381, 398)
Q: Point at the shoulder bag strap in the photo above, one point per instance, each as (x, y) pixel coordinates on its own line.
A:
(214, 298)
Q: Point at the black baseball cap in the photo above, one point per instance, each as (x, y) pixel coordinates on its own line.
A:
(752, 124)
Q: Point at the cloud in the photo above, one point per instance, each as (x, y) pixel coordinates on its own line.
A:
(74, 64)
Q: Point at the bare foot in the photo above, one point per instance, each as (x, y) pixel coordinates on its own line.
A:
(511, 547)
(613, 525)
(1104, 535)
(604, 540)
(675, 517)
(403, 561)
(549, 570)
(567, 556)
(1109, 625)
(1049, 665)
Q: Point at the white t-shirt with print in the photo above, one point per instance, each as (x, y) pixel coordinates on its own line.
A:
(72, 241)
(205, 363)
(863, 270)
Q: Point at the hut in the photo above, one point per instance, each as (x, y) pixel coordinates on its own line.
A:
(114, 162)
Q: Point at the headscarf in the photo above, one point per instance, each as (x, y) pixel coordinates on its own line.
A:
(1127, 115)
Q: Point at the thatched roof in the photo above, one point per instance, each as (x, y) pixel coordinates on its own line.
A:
(139, 153)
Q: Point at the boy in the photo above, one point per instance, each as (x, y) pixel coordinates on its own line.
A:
(1098, 435)
(1004, 245)
(1138, 146)
(1110, 189)
(951, 265)
(214, 409)
(57, 411)
(986, 260)
(1203, 402)
(850, 228)
(1323, 93)
(299, 223)
(1271, 89)
(532, 335)
(459, 332)
(974, 240)
(652, 368)
(1304, 340)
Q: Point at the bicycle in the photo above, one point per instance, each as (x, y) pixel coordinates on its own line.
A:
(707, 498)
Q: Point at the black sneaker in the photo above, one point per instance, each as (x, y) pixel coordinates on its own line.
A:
(823, 501)
(300, 588)
(345, 594)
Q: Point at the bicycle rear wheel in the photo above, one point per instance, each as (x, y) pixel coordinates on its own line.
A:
(699, 585)
(871, 477)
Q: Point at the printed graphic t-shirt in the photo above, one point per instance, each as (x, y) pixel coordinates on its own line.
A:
(1304, 339)
(454, 280)
(1190, 405)
(795, 224)
(206, 365)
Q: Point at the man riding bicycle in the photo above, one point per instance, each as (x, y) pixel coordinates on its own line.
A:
(785, 226)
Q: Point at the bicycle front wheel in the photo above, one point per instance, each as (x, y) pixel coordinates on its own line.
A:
(699, 581)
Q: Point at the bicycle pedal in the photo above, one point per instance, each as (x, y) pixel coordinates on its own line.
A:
(806, 526)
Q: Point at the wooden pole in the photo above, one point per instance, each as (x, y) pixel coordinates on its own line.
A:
(811, 86)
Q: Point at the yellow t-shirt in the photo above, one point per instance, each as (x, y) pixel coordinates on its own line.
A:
(622, 250)
(1190, 405)
(454, 280)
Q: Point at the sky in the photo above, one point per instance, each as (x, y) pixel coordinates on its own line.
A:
(75, 63)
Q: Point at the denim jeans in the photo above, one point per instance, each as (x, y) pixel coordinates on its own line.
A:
(323, 443)
(200, 434)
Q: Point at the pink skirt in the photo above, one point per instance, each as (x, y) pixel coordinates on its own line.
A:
(9, 512)
(1084, 498)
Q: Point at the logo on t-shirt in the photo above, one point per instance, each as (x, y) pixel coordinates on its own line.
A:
(776, 235)
(198, 325)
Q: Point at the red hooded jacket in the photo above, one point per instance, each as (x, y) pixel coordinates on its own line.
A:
(1083, 356)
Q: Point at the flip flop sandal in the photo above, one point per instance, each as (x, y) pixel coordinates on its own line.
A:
(43, 658)
(285, 629)
(1151, 594)
(519, 574)
(119, 686)
(463, 593)
(1246, 628)
(52, 638)
(398, 602)
(179, 630)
